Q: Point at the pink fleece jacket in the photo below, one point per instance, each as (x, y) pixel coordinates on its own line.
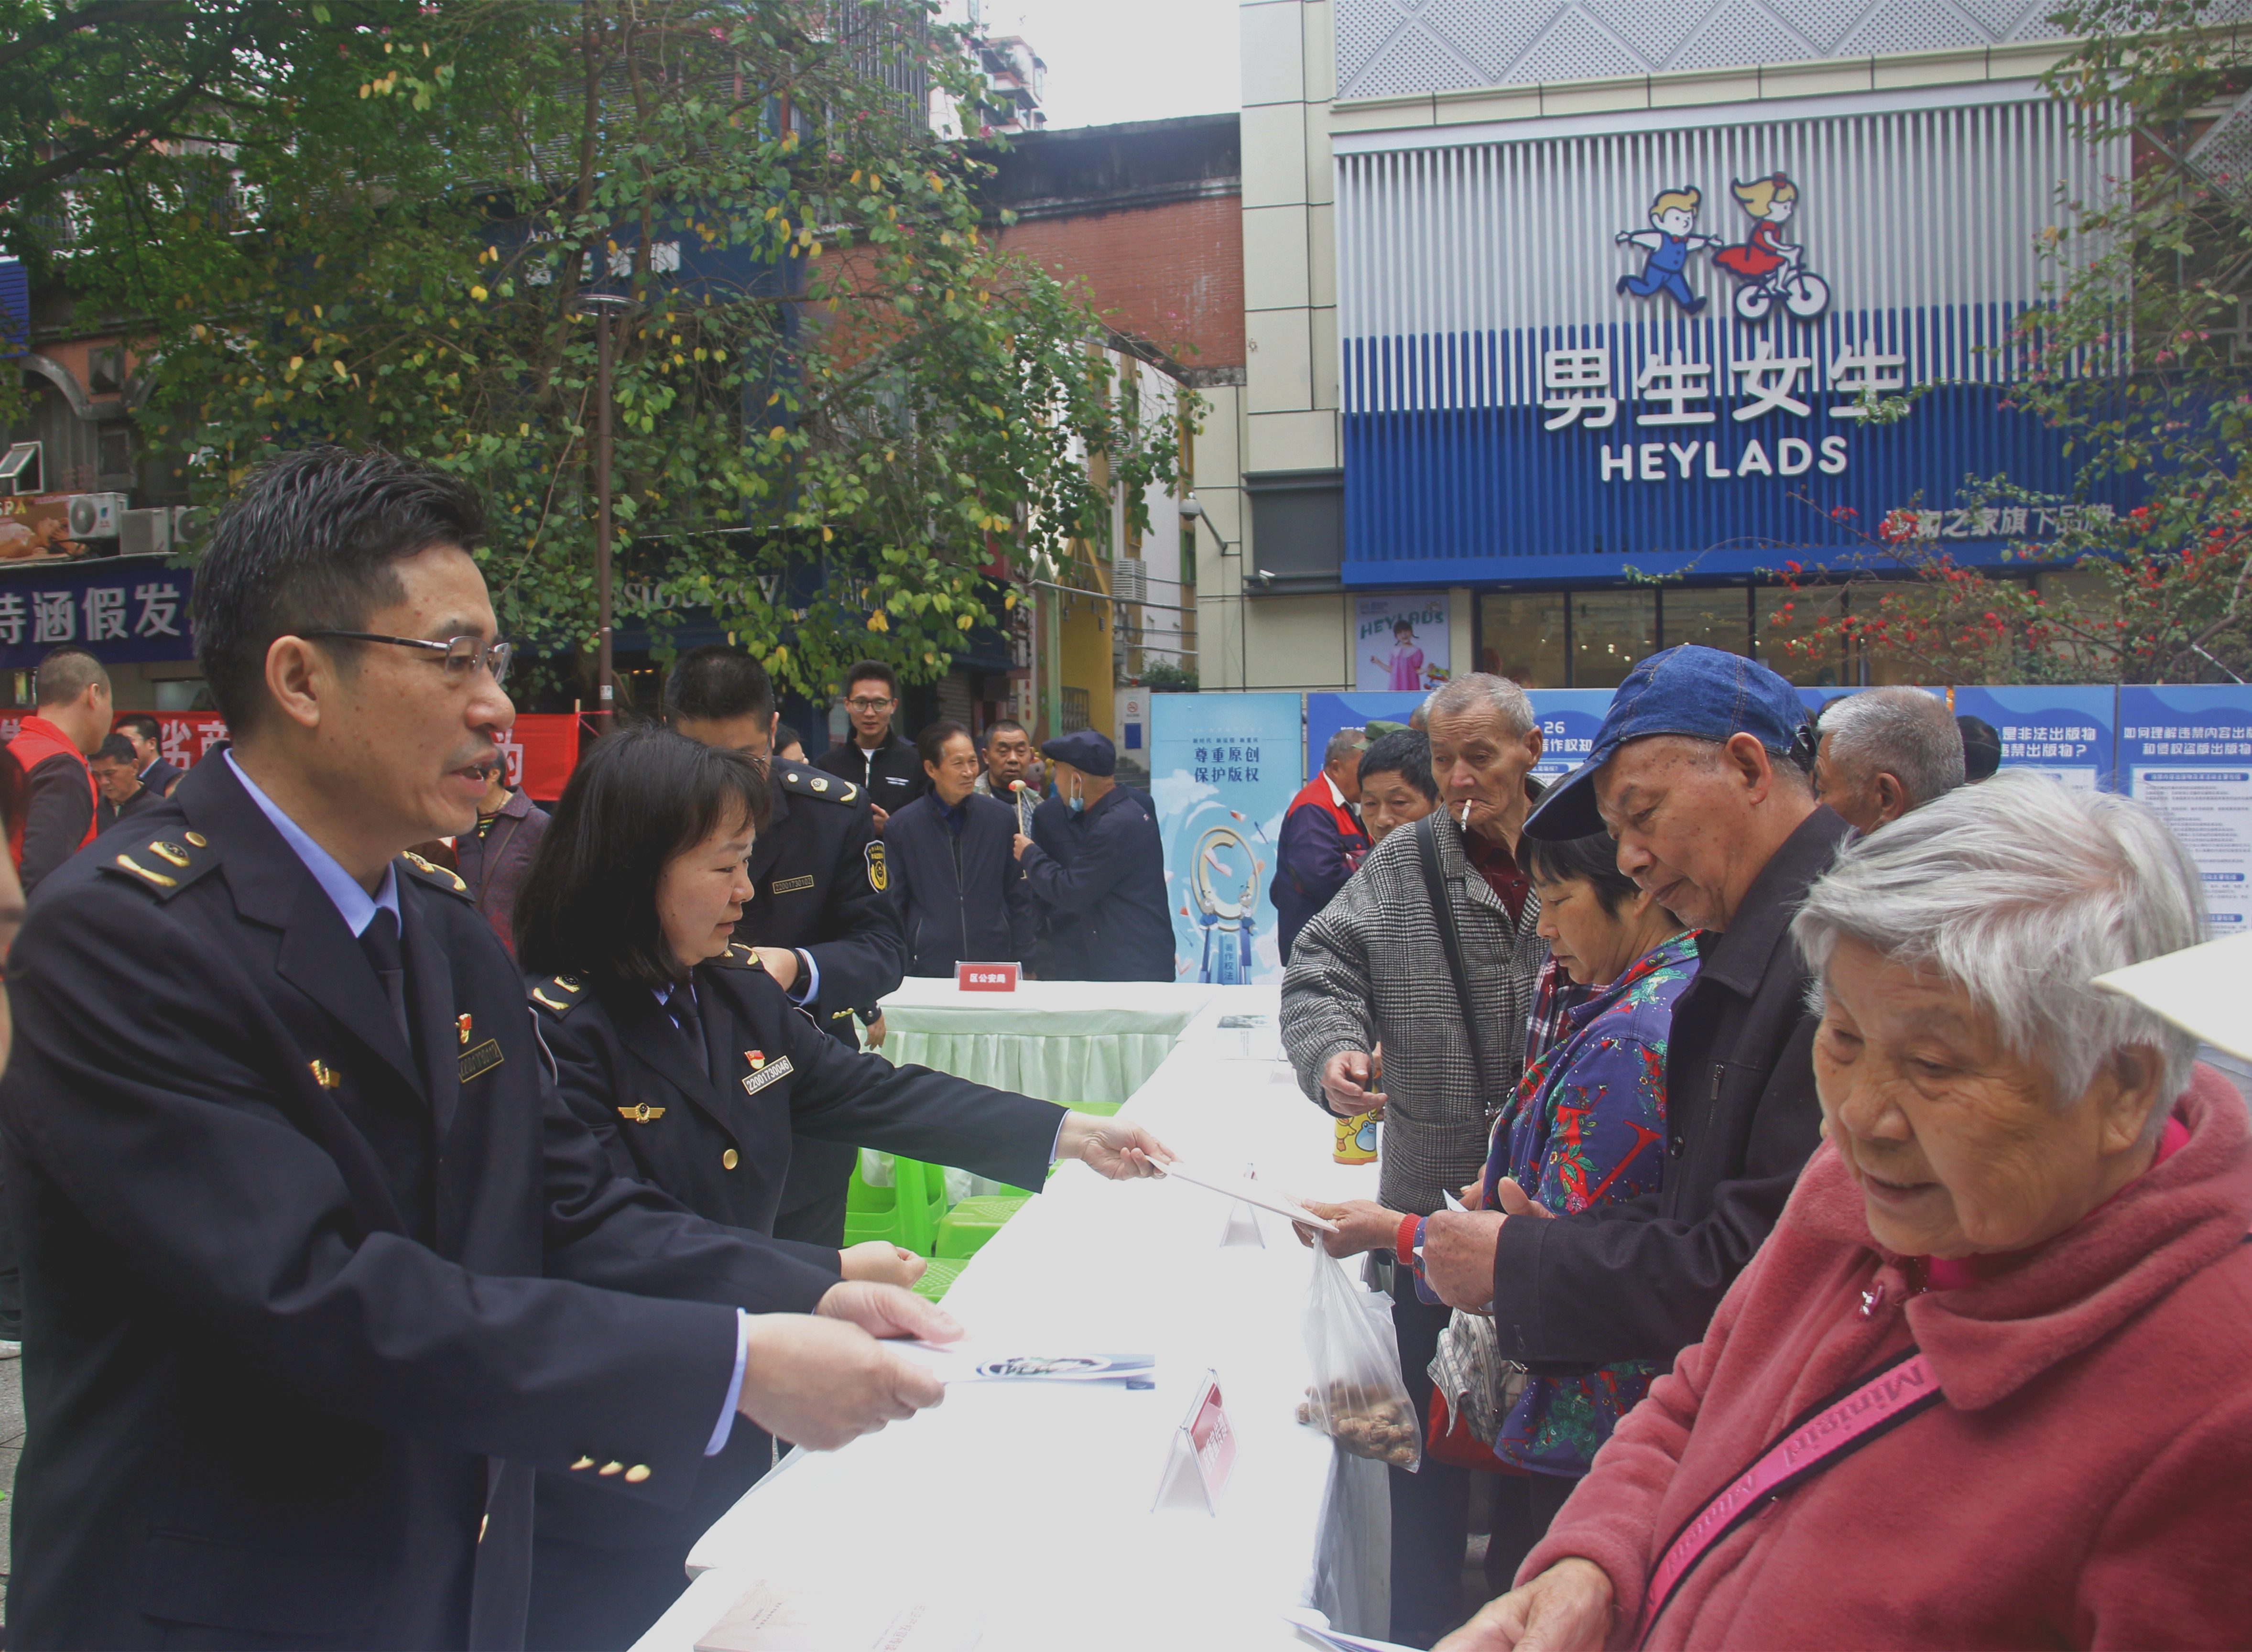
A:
(2087, 1481)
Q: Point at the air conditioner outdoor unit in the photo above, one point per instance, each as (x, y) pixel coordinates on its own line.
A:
(95, 515)
(189, 521)
(145, 533)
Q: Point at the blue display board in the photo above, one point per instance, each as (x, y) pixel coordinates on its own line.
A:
(2065, 732)
(2187, 753)
(1569, 718)
(1223, 768)
(120, 612)
(1327, 713)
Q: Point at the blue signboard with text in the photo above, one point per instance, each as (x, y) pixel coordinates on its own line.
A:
(2065, 732)
(121, 612)
(1327, 713)
(1223, 768)
(2187, 753)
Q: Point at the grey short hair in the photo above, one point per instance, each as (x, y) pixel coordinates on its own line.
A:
(2020, 891)
(1901, 731)
(1345, 740)
(1478, 692)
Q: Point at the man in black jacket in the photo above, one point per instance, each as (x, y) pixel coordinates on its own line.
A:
(318, 1269)
(962, 898)
(875, 759)
(146, 736)
(1699, 771)
(1106, 909)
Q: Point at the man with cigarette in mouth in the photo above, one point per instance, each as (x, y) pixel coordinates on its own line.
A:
(1371, 1018)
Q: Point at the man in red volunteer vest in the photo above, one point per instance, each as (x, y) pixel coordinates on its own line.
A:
(1323, 839)
(52, 747)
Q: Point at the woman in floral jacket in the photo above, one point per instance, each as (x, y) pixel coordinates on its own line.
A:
(1585, 1127)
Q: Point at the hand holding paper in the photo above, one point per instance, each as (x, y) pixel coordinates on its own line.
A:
(1117, 1148)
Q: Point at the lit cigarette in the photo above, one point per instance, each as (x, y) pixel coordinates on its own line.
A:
(1466, 813)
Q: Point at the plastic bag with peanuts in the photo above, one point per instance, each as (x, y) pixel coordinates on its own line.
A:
(1357, 1397)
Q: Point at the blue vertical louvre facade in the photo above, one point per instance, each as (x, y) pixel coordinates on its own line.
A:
(1517, 410)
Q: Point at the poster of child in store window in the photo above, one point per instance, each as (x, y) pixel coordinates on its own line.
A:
(1400, 642)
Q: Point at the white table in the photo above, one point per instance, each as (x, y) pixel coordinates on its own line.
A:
(1028, 1507)
(1065, 1041)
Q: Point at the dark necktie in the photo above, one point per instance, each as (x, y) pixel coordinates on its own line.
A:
(683, 1007)
(381, 941)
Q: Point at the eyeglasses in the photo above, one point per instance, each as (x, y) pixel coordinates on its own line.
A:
(463, 655)
(870, 705)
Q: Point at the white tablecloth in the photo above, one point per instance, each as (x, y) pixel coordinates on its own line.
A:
(1063, 1041)
(1027, 1508)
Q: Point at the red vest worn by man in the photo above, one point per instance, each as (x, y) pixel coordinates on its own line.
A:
(1321, 846)
(34, 744)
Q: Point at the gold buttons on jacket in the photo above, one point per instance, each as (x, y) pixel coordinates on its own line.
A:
(730, 1159)
(635, 1475)
(611, 1468)
(583, 1462)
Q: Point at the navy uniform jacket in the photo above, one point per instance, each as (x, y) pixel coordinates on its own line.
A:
(306, 1307)
(1106, 910)
(717, 1137)
(962, 898)
(819, 882)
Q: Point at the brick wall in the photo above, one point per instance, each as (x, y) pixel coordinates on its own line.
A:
(1172, 273)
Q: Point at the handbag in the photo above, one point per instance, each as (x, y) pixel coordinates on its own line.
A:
(1468, 1377)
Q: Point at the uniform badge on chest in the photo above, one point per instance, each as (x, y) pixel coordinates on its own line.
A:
(763, 1072)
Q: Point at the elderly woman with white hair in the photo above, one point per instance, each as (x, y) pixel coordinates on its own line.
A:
(1989, 1383)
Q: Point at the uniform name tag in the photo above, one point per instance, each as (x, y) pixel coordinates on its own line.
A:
(481, 1060)
(777, 1068)
(791, 885)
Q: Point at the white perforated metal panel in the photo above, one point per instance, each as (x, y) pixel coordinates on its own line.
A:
(1387, 48)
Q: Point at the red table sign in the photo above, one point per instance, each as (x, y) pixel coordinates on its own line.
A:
(1203, 1451)
(993, 977)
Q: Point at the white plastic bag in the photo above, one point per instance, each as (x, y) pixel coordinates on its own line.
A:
(1357, 1397)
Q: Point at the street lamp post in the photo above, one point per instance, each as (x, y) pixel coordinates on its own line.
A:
(605, 308)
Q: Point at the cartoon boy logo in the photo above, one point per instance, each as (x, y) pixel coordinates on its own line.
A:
(1768, 267)
(1669, 240)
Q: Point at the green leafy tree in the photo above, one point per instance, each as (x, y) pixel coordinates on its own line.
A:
(2139, 358)
(839, 408)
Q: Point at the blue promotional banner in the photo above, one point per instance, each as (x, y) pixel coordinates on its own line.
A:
(1223, 768)
(120, 612)
(2187, 753)
(2067, 734)
(1569, 718)
(1327, 713)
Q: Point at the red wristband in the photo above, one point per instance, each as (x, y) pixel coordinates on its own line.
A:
(1403, 1242)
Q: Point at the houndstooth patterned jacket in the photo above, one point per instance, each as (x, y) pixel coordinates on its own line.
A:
(1370, 966)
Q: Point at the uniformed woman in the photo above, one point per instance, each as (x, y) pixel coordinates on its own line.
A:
(693, 1067)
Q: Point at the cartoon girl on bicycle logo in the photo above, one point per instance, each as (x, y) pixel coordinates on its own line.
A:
(1767, 269)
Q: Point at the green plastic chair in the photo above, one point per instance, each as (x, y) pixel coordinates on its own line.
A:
(907, 1213)
(938, 1279)
(962, 1232)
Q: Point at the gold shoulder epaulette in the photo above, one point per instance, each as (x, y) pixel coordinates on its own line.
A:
(432, 872)
(164, 865)
(560, 995)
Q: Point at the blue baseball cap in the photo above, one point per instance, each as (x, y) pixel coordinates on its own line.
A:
(1085, 750)
(1704, 693)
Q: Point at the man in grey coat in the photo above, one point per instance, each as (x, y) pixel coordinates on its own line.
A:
(1369, 974)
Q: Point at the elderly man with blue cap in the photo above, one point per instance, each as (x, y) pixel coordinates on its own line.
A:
(1106, 910)
(1699, 773)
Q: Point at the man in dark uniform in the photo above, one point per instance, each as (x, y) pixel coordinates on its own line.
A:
(146, 736)
(818, 916)
(318, 1270)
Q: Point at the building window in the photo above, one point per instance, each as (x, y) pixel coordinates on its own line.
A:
(1521, 637)
(1720, 619)
(1077, 710)
(1610, 631)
